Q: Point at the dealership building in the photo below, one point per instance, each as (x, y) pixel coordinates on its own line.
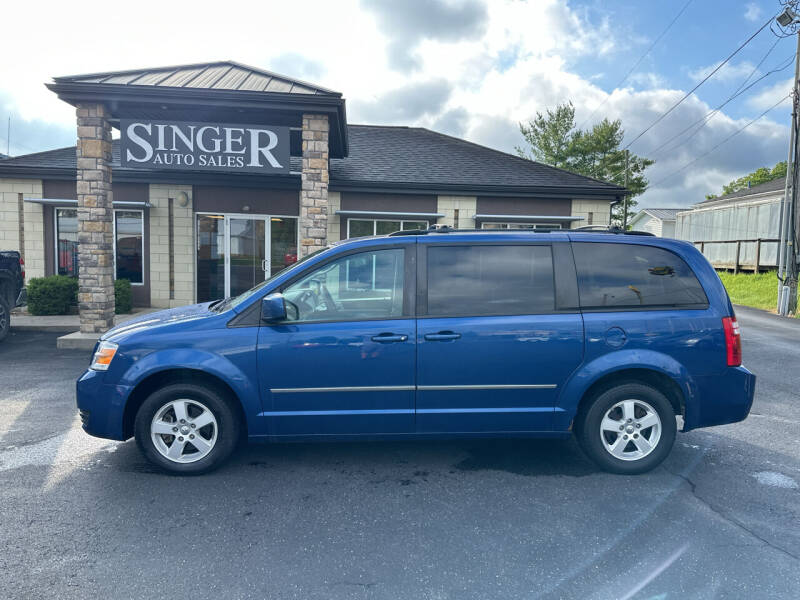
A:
(224, 174)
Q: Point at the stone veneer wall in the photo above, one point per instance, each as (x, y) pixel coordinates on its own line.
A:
(95, 219)
(466, 206)
(33, 234)
(314, 187)
(184, 264)
(582, 208)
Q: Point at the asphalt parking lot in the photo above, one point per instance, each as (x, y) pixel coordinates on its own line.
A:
(82, 517)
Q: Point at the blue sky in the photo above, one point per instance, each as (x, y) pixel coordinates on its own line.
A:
(471, 68)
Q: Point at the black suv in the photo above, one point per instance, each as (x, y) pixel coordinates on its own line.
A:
(12, 290)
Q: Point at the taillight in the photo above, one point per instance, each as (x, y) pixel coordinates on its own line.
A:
(22, 267)
(733, 341)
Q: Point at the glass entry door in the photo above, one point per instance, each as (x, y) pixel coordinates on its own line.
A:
(248, 265)
(236, 252)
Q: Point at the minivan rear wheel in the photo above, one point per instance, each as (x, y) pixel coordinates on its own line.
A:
(186, 429)
(628, 429)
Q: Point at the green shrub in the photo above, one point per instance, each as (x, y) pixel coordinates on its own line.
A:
(51, 295)
(122, 296)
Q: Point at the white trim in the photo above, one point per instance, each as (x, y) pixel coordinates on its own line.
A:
(375, 224)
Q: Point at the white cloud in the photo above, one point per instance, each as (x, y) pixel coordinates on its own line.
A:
(516, 61)
(730, 72)
(770, 95)
(752, 11)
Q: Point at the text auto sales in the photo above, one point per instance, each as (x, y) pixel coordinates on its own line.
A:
(204, 146)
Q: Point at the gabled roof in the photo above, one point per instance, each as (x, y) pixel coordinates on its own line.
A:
(222, 75)
(386, 158)
(664, 214)
(776, 185)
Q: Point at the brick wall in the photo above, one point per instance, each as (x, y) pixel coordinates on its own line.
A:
(466, 206)
(10, 190)
(183, 277)
(314, 184)
(335, 232)
(598, 208)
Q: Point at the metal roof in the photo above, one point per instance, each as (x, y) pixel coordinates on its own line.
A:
(222, 75)
(665, 214)
(776, 185)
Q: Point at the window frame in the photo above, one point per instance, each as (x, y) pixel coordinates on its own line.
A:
(55, 236)
(508, 225)
(409, 284)
(114, 233)
(113, 237)
(633, 307)
(564, 294)
(375, 224)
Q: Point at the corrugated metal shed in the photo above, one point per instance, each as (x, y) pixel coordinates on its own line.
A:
(223, 75)
(721, 224)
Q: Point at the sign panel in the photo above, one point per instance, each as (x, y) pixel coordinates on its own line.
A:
(190, 146)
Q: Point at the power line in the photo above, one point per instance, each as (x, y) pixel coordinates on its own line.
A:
(638, 62)
(734, 134)
(694, 89)
(705, 120)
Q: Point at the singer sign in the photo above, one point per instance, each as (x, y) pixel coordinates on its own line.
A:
(204, 146)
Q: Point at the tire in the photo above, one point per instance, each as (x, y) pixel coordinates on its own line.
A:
(650, 433)
(5, 318)
(207, 437)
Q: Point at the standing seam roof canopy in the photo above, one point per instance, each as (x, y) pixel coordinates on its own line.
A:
(223, 75)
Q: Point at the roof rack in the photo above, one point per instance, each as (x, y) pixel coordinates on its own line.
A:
(586, 229)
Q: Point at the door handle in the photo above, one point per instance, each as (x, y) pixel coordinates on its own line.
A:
(264, 265)
(442, 336)
(385, 338)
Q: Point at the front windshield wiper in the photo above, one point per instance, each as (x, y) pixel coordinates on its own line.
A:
(217, 305)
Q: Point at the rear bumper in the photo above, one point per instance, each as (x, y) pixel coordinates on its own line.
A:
(22, 298)
(721, 399)
(101, 406)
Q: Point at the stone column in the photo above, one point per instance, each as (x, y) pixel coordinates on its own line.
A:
(95, 214)
(314, 191)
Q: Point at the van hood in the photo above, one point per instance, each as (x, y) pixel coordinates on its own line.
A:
(159, 318)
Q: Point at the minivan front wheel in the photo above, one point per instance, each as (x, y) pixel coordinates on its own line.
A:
(628, 429)
(186, 428)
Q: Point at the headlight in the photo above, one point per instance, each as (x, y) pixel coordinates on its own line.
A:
(103, 355)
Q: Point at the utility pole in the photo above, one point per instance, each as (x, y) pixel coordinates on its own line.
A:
(8, 137)
(787, 260)
(625, 197)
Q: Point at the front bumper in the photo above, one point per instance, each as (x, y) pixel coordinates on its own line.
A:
(721, 399)
(101, 405)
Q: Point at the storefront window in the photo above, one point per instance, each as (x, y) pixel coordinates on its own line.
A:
(283, 252)
(210, 257)
(67, 241)
(129, 247)
(534, 226)
(367, 227)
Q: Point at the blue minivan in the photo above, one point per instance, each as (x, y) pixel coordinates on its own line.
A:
(618, 339)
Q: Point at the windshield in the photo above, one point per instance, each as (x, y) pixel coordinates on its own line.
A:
(227, 303)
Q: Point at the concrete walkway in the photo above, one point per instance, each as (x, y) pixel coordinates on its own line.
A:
(69, 325)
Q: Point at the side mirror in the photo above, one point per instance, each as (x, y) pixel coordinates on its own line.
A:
(273, 308)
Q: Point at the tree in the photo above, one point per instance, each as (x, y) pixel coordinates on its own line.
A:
(554, 140)
(760, 175)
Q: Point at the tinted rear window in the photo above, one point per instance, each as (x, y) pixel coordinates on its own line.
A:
(490, 280)
(633, 276)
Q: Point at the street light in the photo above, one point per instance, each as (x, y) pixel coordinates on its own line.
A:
(787, 17)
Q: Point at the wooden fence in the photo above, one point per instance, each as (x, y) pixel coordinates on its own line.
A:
(733, 258)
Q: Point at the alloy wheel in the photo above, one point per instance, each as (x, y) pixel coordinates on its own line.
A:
(184, 431)
(630, 430)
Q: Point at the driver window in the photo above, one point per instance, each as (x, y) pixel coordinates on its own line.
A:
(367, 285)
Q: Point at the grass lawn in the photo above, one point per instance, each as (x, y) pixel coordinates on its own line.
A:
(757, 290)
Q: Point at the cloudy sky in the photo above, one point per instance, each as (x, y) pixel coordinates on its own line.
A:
(473, 68)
